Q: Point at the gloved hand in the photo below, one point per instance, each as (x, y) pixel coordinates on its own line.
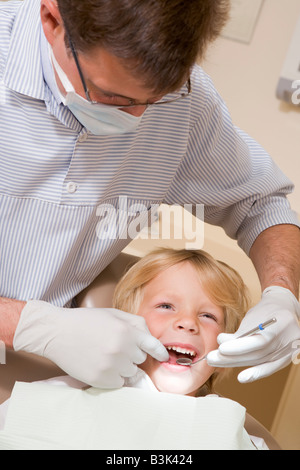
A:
(269, 350)
(99, 347)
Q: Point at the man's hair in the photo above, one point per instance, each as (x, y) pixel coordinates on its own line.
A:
(157, 40)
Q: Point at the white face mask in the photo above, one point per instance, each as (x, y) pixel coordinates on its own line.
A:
(99, 119)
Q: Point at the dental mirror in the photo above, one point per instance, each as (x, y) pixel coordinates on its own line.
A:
(185, 361)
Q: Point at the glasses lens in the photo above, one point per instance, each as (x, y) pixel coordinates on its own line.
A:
(110, 100)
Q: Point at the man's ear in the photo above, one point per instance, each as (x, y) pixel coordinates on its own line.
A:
(51, 20)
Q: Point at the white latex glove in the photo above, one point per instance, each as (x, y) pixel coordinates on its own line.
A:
(269, 350)
(99, 347)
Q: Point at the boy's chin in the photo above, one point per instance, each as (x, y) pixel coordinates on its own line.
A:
(182, 384)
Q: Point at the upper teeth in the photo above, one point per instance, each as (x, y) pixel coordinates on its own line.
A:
(181, 350)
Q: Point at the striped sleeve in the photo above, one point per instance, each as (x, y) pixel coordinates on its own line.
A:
(228, 172)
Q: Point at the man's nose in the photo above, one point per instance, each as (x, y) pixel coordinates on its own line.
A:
(136, 111)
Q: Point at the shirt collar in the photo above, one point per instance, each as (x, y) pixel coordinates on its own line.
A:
(48, 71)
(28, 68)
(24, 72)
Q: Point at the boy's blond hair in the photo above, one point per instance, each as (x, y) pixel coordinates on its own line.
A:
(222, 284)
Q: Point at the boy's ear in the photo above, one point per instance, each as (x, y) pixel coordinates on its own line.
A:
(51, 20)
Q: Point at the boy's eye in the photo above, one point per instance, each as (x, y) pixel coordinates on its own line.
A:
(208, 315)
(165, 306)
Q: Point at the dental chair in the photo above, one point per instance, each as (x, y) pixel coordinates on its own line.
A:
(24, 367)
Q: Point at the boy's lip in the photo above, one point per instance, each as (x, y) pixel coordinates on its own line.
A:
(186, 347)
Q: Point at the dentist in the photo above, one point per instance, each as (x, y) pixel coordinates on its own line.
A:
(100, 99)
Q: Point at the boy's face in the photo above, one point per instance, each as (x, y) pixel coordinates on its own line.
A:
(181, 315)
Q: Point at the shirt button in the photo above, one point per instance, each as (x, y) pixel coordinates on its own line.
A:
(82, 137)
(72, 188)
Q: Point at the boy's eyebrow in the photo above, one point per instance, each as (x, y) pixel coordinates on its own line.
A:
(165, 295)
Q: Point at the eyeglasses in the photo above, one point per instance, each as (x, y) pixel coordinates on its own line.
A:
(126, 102)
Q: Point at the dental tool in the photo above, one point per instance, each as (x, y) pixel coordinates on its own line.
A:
(185, 361)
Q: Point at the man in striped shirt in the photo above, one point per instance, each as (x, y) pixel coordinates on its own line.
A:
(101, 103)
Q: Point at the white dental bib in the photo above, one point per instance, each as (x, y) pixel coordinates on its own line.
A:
(42, 416)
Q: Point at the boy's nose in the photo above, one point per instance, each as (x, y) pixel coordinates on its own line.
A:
(187, 322)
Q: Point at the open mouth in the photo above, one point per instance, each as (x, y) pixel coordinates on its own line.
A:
(179, 352)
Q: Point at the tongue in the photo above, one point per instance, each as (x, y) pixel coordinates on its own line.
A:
(174, 356)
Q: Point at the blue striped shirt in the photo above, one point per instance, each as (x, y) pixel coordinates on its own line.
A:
(54, 175)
